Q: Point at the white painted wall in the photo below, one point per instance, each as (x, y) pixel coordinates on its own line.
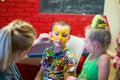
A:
(112, 11)
(117, 4)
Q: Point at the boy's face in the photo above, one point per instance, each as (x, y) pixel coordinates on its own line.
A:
(60, 34)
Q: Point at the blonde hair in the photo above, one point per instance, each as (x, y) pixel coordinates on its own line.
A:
(101, 35)
(16, 36)
(62, 23)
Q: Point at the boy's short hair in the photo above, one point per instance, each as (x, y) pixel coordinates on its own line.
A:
(62, 23)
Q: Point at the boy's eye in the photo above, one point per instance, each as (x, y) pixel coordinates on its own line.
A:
(64, 35)
(56, 33)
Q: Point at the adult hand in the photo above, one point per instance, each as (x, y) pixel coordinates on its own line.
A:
(43, 38)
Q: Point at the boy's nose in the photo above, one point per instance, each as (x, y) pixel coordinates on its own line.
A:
(60, 37)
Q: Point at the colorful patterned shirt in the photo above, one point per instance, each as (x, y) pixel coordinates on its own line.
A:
(58, 63)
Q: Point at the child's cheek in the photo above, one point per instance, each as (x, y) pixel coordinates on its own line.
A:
(53, 38)
(64, 40)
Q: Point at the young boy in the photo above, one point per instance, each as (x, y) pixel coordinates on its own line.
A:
(58, 61)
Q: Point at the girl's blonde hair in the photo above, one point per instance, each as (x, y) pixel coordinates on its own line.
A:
(98, 31)
(101, 35)
(16, 36)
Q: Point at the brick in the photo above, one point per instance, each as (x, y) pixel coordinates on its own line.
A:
(35, 19)
(11, 9)
(3, 24)
(6, 4)
(32, 1)
(16, 1)
(39, 24)
(23, 14)
(13, 18)
(7, 14)
(36, 6)
(37, 15)
(24, 5)
(11, 5)
(3, 9)
(3, 19)
(32, 19)
(3, 3)
(33, 10)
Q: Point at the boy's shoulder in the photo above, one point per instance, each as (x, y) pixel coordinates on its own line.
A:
(68, 49)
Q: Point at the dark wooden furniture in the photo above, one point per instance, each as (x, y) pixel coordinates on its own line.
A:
(28, 67)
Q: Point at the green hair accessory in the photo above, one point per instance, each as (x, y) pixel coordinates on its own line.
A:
(98, 21)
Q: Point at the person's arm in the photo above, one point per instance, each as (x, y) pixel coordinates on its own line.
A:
(42, 42)
(112, 54)
(42, 69)
(39, 74)
(103, 67)
(43, 38)
(66, 75)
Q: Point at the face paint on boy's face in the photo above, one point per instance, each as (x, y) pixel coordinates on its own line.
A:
(61, 34)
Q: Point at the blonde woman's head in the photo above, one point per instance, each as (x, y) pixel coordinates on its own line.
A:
(16, 37)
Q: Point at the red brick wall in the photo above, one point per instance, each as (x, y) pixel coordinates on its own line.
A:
(29, 10)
